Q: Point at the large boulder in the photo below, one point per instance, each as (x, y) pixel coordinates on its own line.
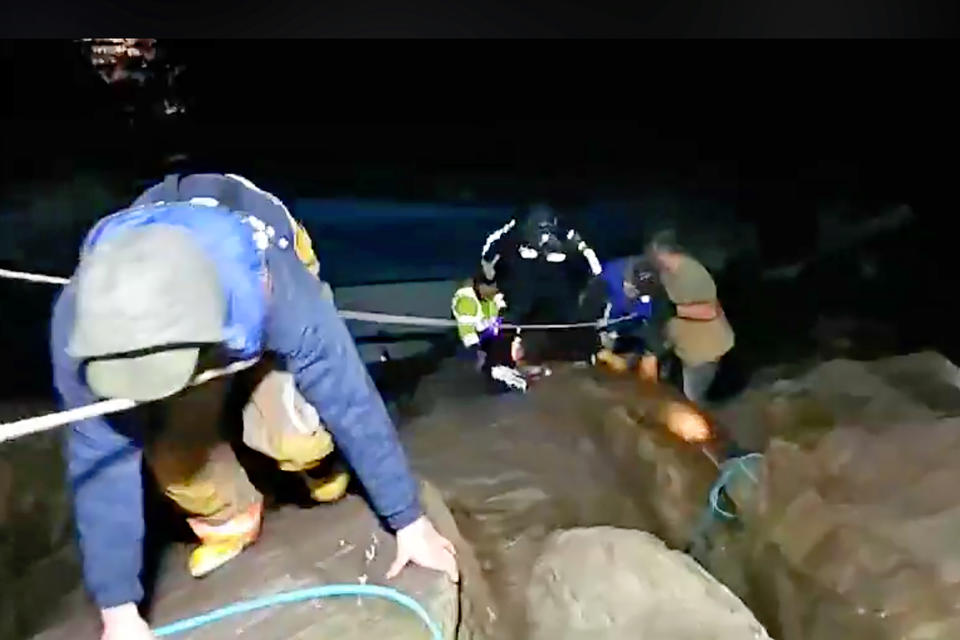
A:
(851, 531)
(605, 583)
(583, 448)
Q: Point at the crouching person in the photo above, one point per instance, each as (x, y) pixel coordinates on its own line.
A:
(629, 289)
(476, 306)
(166, 297)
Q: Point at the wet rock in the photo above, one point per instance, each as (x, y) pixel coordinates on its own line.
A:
(852, 529)
(582, 449)
(604, 583)
(299, 548)
(38, 556)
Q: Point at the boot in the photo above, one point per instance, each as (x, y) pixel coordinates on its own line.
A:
(648, 370)
(326, 483)
(616, 363)
(219, 544)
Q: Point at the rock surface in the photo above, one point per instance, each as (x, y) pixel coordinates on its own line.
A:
(582, 449)
(340, 543)
(604, 583)
(41, 594)
(38, 560)
(852, 530)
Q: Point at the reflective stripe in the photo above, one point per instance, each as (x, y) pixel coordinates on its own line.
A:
(301, 240)
(205, 201)
(527, 253)
(592, 260)
(570, 234)
(471, 339)
(556, 257)
(496, 235)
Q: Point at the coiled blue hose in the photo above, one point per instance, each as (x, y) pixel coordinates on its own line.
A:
(300, 595)
(727, 471)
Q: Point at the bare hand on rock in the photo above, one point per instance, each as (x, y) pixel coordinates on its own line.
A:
(421, 544)
(124, 623)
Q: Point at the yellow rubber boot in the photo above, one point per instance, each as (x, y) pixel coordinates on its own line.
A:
(649, 368)
(612, 360)
(328, 488)
(219, 544)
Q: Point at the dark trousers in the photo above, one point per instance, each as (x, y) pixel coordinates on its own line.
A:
(557, 344)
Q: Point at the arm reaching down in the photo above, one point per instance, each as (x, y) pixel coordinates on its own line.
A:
(490, 255)
(575, 241)
(103, 467)
(306, 331)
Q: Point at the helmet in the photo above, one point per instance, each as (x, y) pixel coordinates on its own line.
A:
(541, 225)
(641, 276)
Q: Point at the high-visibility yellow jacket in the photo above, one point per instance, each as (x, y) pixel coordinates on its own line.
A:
(472, 314)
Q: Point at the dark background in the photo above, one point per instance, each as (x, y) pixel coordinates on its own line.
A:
(773, 129)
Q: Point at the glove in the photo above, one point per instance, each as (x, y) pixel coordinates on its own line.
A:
(608, 339)
(500, 301)
(493, 329)
(510, 377)
(516, 349)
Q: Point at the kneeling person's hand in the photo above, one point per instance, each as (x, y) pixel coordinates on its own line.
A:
(124, 623)
(420, 543)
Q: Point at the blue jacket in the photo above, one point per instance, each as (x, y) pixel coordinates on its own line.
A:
(298, 324)
(619, 304)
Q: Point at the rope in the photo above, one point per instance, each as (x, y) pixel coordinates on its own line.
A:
(364, 316)
(727, 471)
(26, 426)
(714, 512)
(36, 424)
(32, 277)
(300, 595)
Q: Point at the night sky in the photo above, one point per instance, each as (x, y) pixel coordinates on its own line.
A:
(776, 129)
(389, 117)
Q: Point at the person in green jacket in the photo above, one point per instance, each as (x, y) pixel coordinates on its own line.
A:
(476, 306)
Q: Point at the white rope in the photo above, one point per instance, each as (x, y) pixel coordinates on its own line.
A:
(364, 316)
(26, 426)
(32, 277)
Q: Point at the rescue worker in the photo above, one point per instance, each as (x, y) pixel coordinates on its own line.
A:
(629, 288)
(541, 265)
(206, 272)
(698, 332)
(476, 306)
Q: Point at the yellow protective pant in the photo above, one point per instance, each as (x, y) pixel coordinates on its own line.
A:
(197, 468)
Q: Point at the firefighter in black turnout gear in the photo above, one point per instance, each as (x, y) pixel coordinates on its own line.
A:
(542, 266)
